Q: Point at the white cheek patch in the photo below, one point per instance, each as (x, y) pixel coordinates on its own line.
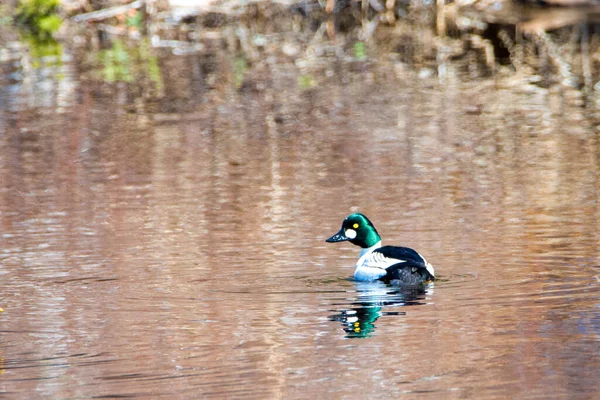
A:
(351, 233)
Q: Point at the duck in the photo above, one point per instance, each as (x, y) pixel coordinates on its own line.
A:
(400, 266)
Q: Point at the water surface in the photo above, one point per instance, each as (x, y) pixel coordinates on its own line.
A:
(175, 248)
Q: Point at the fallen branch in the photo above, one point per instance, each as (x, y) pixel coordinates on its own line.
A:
(108, 12)
(564, 68)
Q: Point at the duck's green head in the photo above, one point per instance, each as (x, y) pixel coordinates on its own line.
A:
(358, 230)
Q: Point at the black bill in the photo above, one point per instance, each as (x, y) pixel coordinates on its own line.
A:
(338, 237)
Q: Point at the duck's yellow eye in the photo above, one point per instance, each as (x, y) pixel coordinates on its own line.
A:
(355, 226)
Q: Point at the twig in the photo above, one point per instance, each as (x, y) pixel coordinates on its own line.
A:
(368, 28)
(542, 38)
(108, 12)
(376, 6)
(179, 47)
(119, 31)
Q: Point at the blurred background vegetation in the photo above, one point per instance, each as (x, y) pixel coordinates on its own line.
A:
(548, 43)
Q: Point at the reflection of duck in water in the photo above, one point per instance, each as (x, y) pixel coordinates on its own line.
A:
(396, 265)
(358, 321)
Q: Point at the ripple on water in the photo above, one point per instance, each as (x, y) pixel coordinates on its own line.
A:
(548, 288)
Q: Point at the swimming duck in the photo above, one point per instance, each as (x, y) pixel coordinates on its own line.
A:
(396, 265)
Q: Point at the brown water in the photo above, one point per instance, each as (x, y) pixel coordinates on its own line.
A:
(175, 248)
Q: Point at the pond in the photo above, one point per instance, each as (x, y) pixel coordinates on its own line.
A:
(175, 247)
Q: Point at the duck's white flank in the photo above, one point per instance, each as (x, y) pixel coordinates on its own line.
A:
(428, 266)
(372, 266)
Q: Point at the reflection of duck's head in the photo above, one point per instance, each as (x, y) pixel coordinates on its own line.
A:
(358, 322)
(392, 264)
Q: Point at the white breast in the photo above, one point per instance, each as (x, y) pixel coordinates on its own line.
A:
(370, 266)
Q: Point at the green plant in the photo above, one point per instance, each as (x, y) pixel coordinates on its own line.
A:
(306, 81)
(39, 18)
(116, 63)
(124, 62)
(240, 66)
(360, 51)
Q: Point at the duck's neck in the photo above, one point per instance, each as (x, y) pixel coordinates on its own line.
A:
(368, 250)
(371, 240)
